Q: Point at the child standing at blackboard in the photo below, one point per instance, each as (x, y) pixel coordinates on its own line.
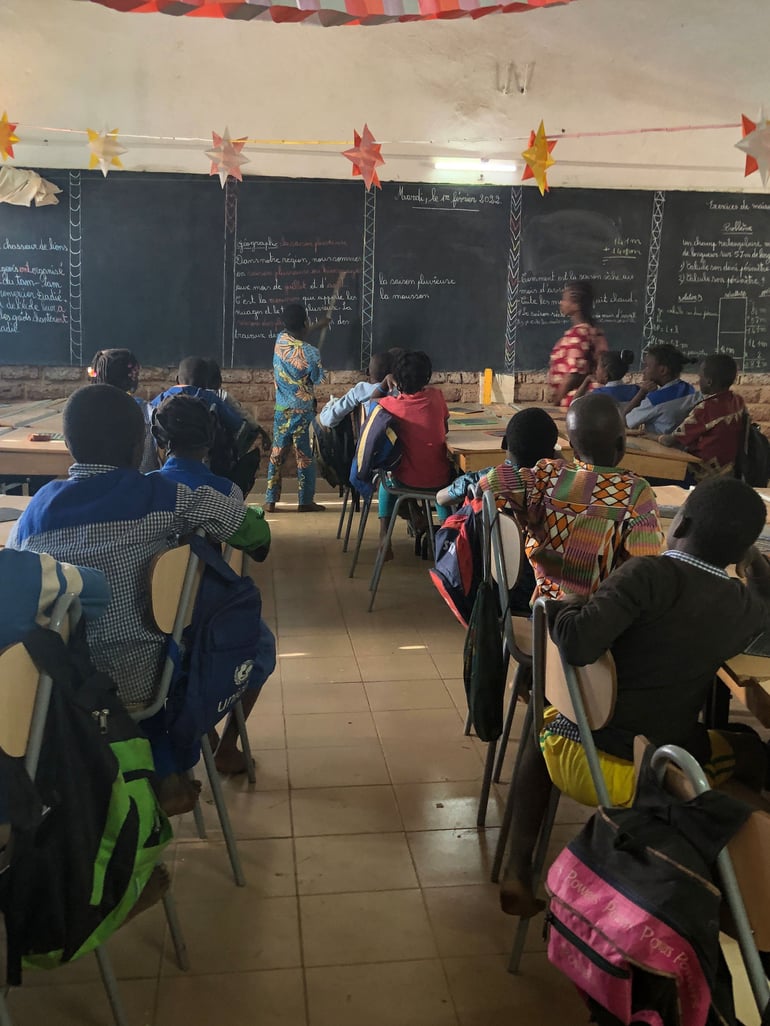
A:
(297, 369)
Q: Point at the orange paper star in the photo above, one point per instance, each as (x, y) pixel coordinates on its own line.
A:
(538, 158)
(7, 137)
(226, 157)
(756, 145)
(365, 157)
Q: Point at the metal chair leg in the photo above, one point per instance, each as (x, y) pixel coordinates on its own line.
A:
(5, 1012)
(486, 784)
(384, 546)
(354, 508)
(345, 497)
(505, 826)
(111, 987)
(537, 871)
(361, 531)
(468, 724)
(200, 823)
(175, 929)
(508, 725)
(240, 719)
(224, 816)
(431, 532)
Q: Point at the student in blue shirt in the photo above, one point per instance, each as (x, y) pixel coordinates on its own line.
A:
(379, 384)
(119, 367)
(192, 377)
(611, 369)
(663, 400)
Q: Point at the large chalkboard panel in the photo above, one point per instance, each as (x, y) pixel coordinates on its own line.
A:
(292, 242)
(35, 282)
(581, 233)
(714, 280)
(441, 264)
(153, 265)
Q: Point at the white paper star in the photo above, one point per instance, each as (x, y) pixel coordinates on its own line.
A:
(756, 145)
(105, 150)
(226, 157)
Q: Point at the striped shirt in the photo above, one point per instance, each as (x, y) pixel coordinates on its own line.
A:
(118, 521)
(580, 520)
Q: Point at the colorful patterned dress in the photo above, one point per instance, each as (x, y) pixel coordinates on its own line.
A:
(576, 352)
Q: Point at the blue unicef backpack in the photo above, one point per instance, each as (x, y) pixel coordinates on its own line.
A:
(226, 650)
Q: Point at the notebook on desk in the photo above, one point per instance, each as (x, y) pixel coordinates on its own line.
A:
(7, 514)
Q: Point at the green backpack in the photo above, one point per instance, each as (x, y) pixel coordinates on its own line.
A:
(87, 834)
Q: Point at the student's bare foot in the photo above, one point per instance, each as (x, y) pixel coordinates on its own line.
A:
(154, 890)
(516, 899)
(311, 507)
(388, 553)
(269, 507)
(231, 761)
(177, 794)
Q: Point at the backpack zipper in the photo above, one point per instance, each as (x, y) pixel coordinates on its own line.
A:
(585, 949)
(100, 715)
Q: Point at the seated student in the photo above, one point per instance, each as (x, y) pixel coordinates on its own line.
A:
(663, 400)
(192, 379)
(582, 518)
(378, 385)
(714, 428)
(109, 516)
(119, 367)
(421, 417)
(670, 622)
(213, 382)
(612, 366)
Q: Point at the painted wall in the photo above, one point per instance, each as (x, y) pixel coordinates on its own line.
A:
(598, 65)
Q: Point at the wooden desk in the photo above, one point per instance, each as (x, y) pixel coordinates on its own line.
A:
(15, 415)
(20, 456)
(19, 502)
(473, 450)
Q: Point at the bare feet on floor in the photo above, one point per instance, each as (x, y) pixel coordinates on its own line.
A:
(518, 900)
(388, 554)
(154, 890)
(178, 794)
(231, 761)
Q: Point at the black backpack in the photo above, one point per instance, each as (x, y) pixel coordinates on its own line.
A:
(87, 834)
(754, 461)
(334, 449)
(484, 668)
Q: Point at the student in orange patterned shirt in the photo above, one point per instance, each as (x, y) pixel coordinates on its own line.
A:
(583, 518)
(576, 353)
(714, 428)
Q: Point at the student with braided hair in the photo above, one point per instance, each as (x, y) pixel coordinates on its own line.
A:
(120, 368)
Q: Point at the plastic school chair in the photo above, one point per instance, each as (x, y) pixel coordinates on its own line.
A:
(25, 695)
(424, 496)
(174, 584)
(586, 695)
(740, 866)
(351, 498)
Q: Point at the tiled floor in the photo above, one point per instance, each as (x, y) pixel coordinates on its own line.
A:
(367, 897)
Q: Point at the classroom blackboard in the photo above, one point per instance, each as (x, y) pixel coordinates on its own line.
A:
(570, 234)
(713, 288)
(441, 259)
(293, 243)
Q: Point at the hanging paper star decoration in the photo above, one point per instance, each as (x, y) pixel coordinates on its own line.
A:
(538, 158)
(7, 137)
(105, 150)
(226, 157)
(365, 157)
(756, 145)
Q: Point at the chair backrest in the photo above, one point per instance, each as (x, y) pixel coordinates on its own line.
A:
(506, 547)
(598, 684)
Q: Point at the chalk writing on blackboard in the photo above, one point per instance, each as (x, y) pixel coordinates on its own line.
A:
(33, 284)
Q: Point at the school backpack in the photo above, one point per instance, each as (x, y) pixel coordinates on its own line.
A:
(378, 450)
(226, 649)
(459, 557)
(333, 449)
(87, 834)
(754, 461)
(634, 911)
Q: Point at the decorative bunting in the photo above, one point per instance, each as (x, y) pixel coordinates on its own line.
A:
(226, 157)
(538, 158)
(7, 136)
(365, 157)
(756, 145)
(105, 150)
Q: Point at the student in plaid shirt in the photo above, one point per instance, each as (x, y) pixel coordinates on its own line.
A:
(109, 516)
(582, 518)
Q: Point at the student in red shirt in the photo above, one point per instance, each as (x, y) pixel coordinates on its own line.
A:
(714, 428)
(421, 417)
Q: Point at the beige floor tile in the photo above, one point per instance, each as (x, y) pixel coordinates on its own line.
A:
(265, 729)
(324, 697)
(253, 814)
(411, 763)
(572, 812)
(456, 688)
(270, 998)
(448, 805)
(354, 862)
(486, 995)
(237, 932)
(344, 810)
(408, 694)
(272, 769)
(320, 730)
(399, 666)
(386, 644)
(468, 920)
(337, 767)
(202, 869)
(301, 646)
(318, 618)
(82, 1004)
(449, 663)
(320, 670)
(446, 858)
(381, 926)
(270, 702)
(388, 994)
(419, 725)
